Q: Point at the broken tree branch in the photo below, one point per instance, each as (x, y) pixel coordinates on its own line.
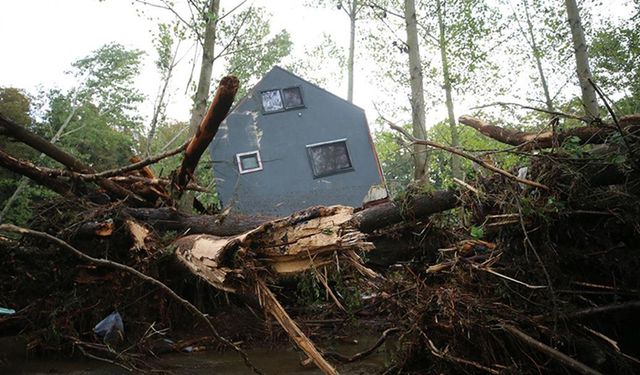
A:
(551, 352)
(466, 156)
(23, 135)
(539, 140)
(271, 305)
(554, 113)
(34, 173)
(135, 166)
(207, 130)
(132, 271)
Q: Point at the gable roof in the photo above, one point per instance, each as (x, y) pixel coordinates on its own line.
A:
(278, 68)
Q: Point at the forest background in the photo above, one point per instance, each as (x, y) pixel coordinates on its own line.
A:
(109, 79)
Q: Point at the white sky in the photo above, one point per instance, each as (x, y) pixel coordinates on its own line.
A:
(39, 40)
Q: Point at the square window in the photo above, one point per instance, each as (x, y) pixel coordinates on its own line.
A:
(249, 162)
(329, 158)
(292, 97)
(272, 101)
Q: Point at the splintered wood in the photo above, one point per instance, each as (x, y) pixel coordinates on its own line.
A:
(305, 240)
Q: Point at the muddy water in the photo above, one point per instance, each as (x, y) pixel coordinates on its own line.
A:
(283, 361)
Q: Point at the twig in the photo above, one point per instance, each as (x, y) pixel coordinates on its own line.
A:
(135, 166)
(604, 309)
(466, 156)
(544, 268)
(489, 270)
(108, 263)
(444, 354)
(551, 352)
(358, 356)
(615, 121)
(555, 113)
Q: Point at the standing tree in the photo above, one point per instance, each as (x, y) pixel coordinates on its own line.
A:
(417, 89)
(241, 37)
(353, 9)
(167, 49)
(582, 59)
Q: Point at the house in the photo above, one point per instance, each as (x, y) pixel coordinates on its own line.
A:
(289, 145)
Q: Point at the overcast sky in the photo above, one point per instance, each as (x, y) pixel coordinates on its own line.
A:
(41, 38)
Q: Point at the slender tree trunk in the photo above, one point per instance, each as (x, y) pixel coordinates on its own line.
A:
(456, 170)
(537, 56)
(582, 59)
(206, 67)
(417, 94)
(159, 108)
(352, 46)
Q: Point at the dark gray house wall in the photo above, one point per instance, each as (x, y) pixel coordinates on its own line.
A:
(287, 140)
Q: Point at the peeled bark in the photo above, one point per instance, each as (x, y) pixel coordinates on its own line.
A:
(304, 241)
(207, 130)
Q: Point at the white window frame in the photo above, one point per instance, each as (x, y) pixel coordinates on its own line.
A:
(239, 161)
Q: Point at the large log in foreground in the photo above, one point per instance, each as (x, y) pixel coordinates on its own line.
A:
(306, 240)
(366, 221)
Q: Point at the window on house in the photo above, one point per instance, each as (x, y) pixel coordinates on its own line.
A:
(249, 162)
(272, 101)
(292, 97)
(329, 158)
(282, 99)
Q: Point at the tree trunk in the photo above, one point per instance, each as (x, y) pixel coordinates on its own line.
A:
(207, 129)
(366, 221)
(417, 93)
(456, 170)
(582, 59)
(352, 46)
(206, 67)
(159, 107)
(536, 55)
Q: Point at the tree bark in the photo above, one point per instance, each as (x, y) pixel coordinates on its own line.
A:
(582, 59)
(29, 170)
(366, 221)
(207, 130)
(25, 136)
(456, 170)
(540, 140)
(24, 181)
(417, 93)
(206, 66)
(535, 51)
(352, 46)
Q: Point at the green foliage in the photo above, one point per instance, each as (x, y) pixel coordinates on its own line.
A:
(615, 52)
(252, 51)
(332, 57)
(476, 232)
(395, 159)
(108, 74)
